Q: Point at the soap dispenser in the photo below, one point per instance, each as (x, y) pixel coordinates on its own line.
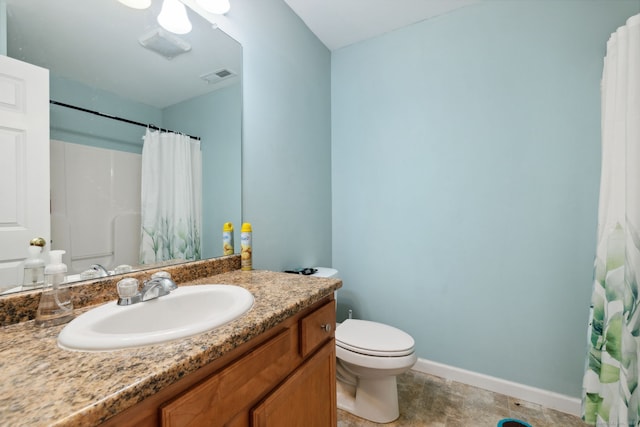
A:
(33, 269)
(55, 305)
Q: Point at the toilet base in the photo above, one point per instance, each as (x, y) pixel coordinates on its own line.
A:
(373, 399)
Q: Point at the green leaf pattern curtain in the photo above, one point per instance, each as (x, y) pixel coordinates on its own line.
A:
(171, 193)
(611, 396)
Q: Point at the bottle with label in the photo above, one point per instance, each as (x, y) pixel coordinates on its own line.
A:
(55, 305)
(227, 239)
(246, 251)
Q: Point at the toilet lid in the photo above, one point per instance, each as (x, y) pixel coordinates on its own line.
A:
(372, 338)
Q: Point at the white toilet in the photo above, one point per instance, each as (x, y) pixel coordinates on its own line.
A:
(369, 357)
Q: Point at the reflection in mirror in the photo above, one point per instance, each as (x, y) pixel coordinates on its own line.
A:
(108, 58)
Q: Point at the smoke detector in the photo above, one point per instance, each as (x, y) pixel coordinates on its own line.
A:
(217, 76)
(164, 43)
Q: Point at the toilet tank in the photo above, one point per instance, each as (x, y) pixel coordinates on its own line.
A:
(325, 272)
(343, 311)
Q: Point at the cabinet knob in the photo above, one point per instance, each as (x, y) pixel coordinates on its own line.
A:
(326, 327)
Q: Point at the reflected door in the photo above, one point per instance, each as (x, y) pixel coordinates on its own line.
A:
(24, 163)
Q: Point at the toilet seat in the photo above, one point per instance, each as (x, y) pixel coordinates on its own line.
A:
(373, 339)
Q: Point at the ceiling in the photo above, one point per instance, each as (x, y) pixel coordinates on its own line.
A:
(96, 43)
(339, 23)
(78, 39)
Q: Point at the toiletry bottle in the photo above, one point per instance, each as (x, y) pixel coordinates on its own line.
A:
(33, 269)
(246, 251)
(227, 239)
(55, 305)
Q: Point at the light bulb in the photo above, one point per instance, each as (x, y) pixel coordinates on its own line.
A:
(219, 7)
(136, 4)
(173, 17)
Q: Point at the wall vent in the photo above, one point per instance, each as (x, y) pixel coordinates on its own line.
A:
(217, 76)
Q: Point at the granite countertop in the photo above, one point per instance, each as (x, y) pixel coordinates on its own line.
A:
(45, 385)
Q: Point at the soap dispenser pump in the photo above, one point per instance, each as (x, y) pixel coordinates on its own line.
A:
(33, 269)
(55, 305)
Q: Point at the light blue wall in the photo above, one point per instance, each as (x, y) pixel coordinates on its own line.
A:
(465, 168)
(216, 118)
(84, 128)
(286, 158)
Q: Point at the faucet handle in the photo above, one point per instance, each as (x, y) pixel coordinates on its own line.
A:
(127, 287)
(161, 275)
(123, 268)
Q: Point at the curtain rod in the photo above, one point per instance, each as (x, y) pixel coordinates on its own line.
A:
(120, 119)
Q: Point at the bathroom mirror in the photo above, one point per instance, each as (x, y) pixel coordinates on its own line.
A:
(106, 57)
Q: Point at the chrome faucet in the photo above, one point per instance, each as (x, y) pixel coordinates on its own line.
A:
(157, 287)
(100, 269)
(151, 289)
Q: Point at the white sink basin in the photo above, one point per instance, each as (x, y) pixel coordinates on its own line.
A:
(186, 311)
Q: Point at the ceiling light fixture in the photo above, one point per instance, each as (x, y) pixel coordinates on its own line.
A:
(173, 17)
(219, 7)
(136, 4)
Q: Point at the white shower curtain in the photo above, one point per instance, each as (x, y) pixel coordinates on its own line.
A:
(171, 198)
(611, 395)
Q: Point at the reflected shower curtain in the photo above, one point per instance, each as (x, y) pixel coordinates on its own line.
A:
(171, 198)
(611, 396)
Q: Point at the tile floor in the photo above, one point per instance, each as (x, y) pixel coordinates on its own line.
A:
(429, 401)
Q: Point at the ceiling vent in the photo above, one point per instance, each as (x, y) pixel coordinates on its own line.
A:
(217, 76)
(164, 43)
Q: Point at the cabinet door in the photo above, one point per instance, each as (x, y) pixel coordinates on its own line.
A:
(217, 400)
(306, 399)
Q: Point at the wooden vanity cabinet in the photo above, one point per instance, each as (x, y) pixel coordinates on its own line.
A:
(306, 399)
(283, 378)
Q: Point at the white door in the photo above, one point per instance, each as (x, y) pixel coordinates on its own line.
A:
(24, 164)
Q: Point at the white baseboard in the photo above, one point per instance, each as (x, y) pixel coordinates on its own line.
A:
(548, 399)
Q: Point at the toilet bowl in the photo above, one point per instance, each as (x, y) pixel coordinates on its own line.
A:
(369, 357)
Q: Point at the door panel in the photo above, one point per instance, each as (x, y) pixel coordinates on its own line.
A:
(24, 164)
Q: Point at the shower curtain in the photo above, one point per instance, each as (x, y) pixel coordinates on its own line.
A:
(611, 396)
(171, 198)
